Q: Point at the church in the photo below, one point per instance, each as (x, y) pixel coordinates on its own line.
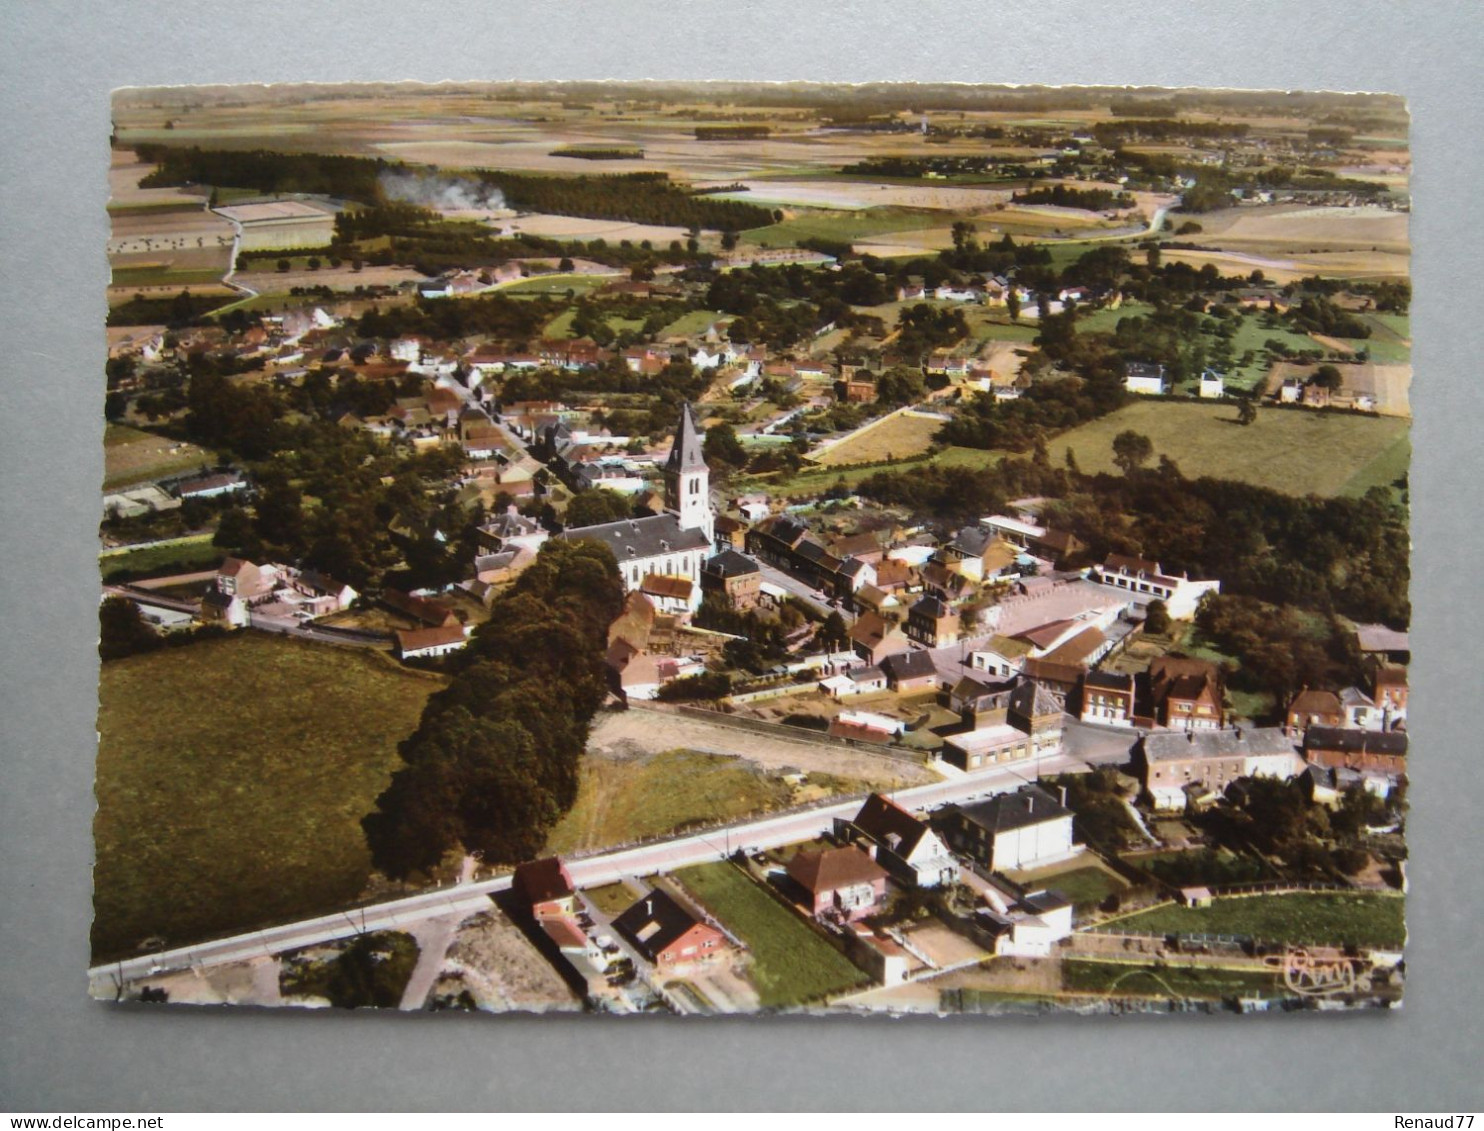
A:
(661, 555)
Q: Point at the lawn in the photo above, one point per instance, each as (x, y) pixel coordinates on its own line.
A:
(180, 555)
(1386, 469)
(612, 899)
(1279, 451)
(1299, 918)
(621, 801)
(555, 284)
(691, 323)
(1085, 887)
(232, 778)
(1082, 976)
(791, 964)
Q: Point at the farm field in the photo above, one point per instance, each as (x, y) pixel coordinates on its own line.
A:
(1276, 452)
(625, 800)
(179, 555)
(813, 481)
(239, 808)
(131, 455)
(1300, 918)
(791, 964)
(900, 437)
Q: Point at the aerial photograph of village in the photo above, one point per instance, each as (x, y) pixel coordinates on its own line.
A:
(730, 548)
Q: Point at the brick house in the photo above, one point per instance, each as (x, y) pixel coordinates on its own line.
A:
(669, 935)
(933, 623)
(1108, 699)
(736, 577)
(1182, 768)
(839, 882)
(1311, 707)
(1334, 748)
(1187, 693)
(545, 887)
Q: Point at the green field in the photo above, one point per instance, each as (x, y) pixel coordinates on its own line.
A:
(791, 964)
(691, 323)
(1299, 918)
(1289, 450)
(181, 555)
(232, 778)
(1081, 976)
(164, 277)
(555, 284)
(623, 801)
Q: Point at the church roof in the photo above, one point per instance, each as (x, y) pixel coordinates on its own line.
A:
(649, 537)
(686, 454)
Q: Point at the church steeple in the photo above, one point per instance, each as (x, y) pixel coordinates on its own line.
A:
(687, 479)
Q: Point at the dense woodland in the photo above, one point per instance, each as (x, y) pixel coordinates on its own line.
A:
(494, 763)
(641, 198)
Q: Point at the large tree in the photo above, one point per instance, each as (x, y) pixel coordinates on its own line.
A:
(1131, 450)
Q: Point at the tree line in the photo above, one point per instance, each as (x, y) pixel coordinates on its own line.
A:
(493, 764)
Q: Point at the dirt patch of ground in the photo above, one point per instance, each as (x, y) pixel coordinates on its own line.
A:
(502, 971)
(651, 732)
(900, 436)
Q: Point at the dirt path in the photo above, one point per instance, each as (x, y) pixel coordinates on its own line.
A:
(626, 733)
(433, 938)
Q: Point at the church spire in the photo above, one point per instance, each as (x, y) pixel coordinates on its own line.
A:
(686, 454)
(687, 479)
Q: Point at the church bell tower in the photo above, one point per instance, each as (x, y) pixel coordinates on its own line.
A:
(687, 479)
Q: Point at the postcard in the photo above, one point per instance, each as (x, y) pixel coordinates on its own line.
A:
(729, 548)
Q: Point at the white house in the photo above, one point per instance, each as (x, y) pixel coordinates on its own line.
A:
(1213, 385)
(1148, 582)
(1035, 924)
(419, 642)
(904, 845)
(1012, 830)
(1145, 378)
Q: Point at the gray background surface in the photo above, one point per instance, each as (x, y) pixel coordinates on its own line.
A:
(59, 1051)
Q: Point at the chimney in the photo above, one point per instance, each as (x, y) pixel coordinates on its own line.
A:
(649, 907)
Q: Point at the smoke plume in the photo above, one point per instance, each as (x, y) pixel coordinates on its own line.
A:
(446, 194)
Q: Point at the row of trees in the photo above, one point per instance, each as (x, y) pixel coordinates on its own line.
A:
(493, 764)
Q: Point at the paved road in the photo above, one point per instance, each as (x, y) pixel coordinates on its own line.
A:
(805, 593)
(469, 898)
(288, 626)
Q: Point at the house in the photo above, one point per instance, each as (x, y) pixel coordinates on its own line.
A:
(932, 623)
(1002, 656)
(840, 883)
(239, 578)
(424, 610)
(669, 935)
(979, 553)
(635, 674)
(1213, 386)
(1378, 642)
(1016, 531)
(419, 643)
(904, 845)
(1177, 769)
(212, 486)
(545, 888)
(220, 607)
(874, 639)
(1033, 925)
(1148, 582)
(1312, 707)
(1145, 378)
(1372, 751)
(1108, 699)
(673, 595)
(1011, 830)
(908, 672)
(1389, 692)
(1187, 694)
(736, 577)
(326, 595)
